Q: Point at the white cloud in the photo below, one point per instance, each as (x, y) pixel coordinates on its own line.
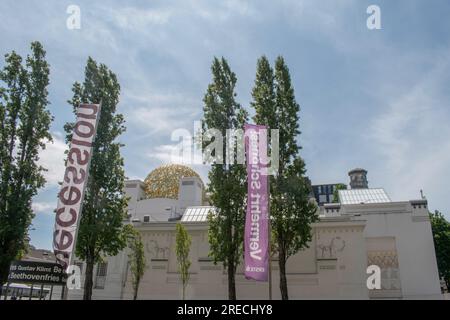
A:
(156, 120)
(165, 99)
(222, 11)
(161, 113)
(52, 158)
(43, 207)
(137, 19)
(166, 154)
(411, 139)
(175, 153)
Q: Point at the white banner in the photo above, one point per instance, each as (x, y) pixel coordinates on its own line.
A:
(70, 198)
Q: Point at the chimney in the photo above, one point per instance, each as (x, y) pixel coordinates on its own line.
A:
(358, 179)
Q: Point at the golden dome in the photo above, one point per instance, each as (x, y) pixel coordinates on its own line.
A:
(164, 181)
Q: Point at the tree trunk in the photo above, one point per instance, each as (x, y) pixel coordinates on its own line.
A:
(283, 282)
(136, 292)
(184, 291)
(88, 280)
(7, 254)
(4, 268)
(231, 281)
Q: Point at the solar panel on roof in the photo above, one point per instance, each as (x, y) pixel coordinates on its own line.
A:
(196, 214)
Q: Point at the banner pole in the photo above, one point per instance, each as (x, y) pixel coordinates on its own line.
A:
(7, 289)
(270, 245)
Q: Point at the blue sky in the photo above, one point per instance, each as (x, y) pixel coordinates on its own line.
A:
(377, 99)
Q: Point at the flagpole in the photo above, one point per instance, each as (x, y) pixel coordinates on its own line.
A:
(270, 240)
(270, 263)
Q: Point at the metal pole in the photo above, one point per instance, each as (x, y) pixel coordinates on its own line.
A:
(62, 291)
(6, 292)
(31, 291)
(270, 277)
(51, 293)
(270, 240)
(40, 292)
(270, 254)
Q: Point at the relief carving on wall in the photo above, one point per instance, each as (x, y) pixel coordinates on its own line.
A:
(330, 249)
(156, 251)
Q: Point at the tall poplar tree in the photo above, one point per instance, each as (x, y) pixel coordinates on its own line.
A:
(136, 257)
(24, 128)
(291, 211)
(227, 181)
(104, 206)
(182, 247)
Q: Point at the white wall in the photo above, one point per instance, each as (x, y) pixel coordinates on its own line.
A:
(341, 276)
(414, 242)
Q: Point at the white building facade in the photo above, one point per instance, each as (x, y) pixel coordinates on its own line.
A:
(365, 229)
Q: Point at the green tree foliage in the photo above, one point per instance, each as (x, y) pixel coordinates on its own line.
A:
(136, 257)
(24, 129)
(339, 186)
(441, 235)
(291, 211)
(227, 181)
(104, 204)
(182, 248)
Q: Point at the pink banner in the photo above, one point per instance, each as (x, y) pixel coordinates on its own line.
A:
(256, 237)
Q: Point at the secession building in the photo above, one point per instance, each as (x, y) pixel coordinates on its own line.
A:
(365, 228)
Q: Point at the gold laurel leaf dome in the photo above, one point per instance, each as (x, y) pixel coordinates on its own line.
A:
(164, 181)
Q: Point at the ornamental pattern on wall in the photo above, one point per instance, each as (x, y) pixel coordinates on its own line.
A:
(388, 263)
(383, 259)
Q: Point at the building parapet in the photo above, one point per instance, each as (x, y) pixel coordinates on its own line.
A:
(419, 204)
(332, 207)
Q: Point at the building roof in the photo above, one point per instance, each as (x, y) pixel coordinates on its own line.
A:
(197, 214)
(358, 196)
(41, 255)
(357, 170)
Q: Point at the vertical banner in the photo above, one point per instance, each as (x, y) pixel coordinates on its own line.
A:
(256, 237)
(70, 197)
